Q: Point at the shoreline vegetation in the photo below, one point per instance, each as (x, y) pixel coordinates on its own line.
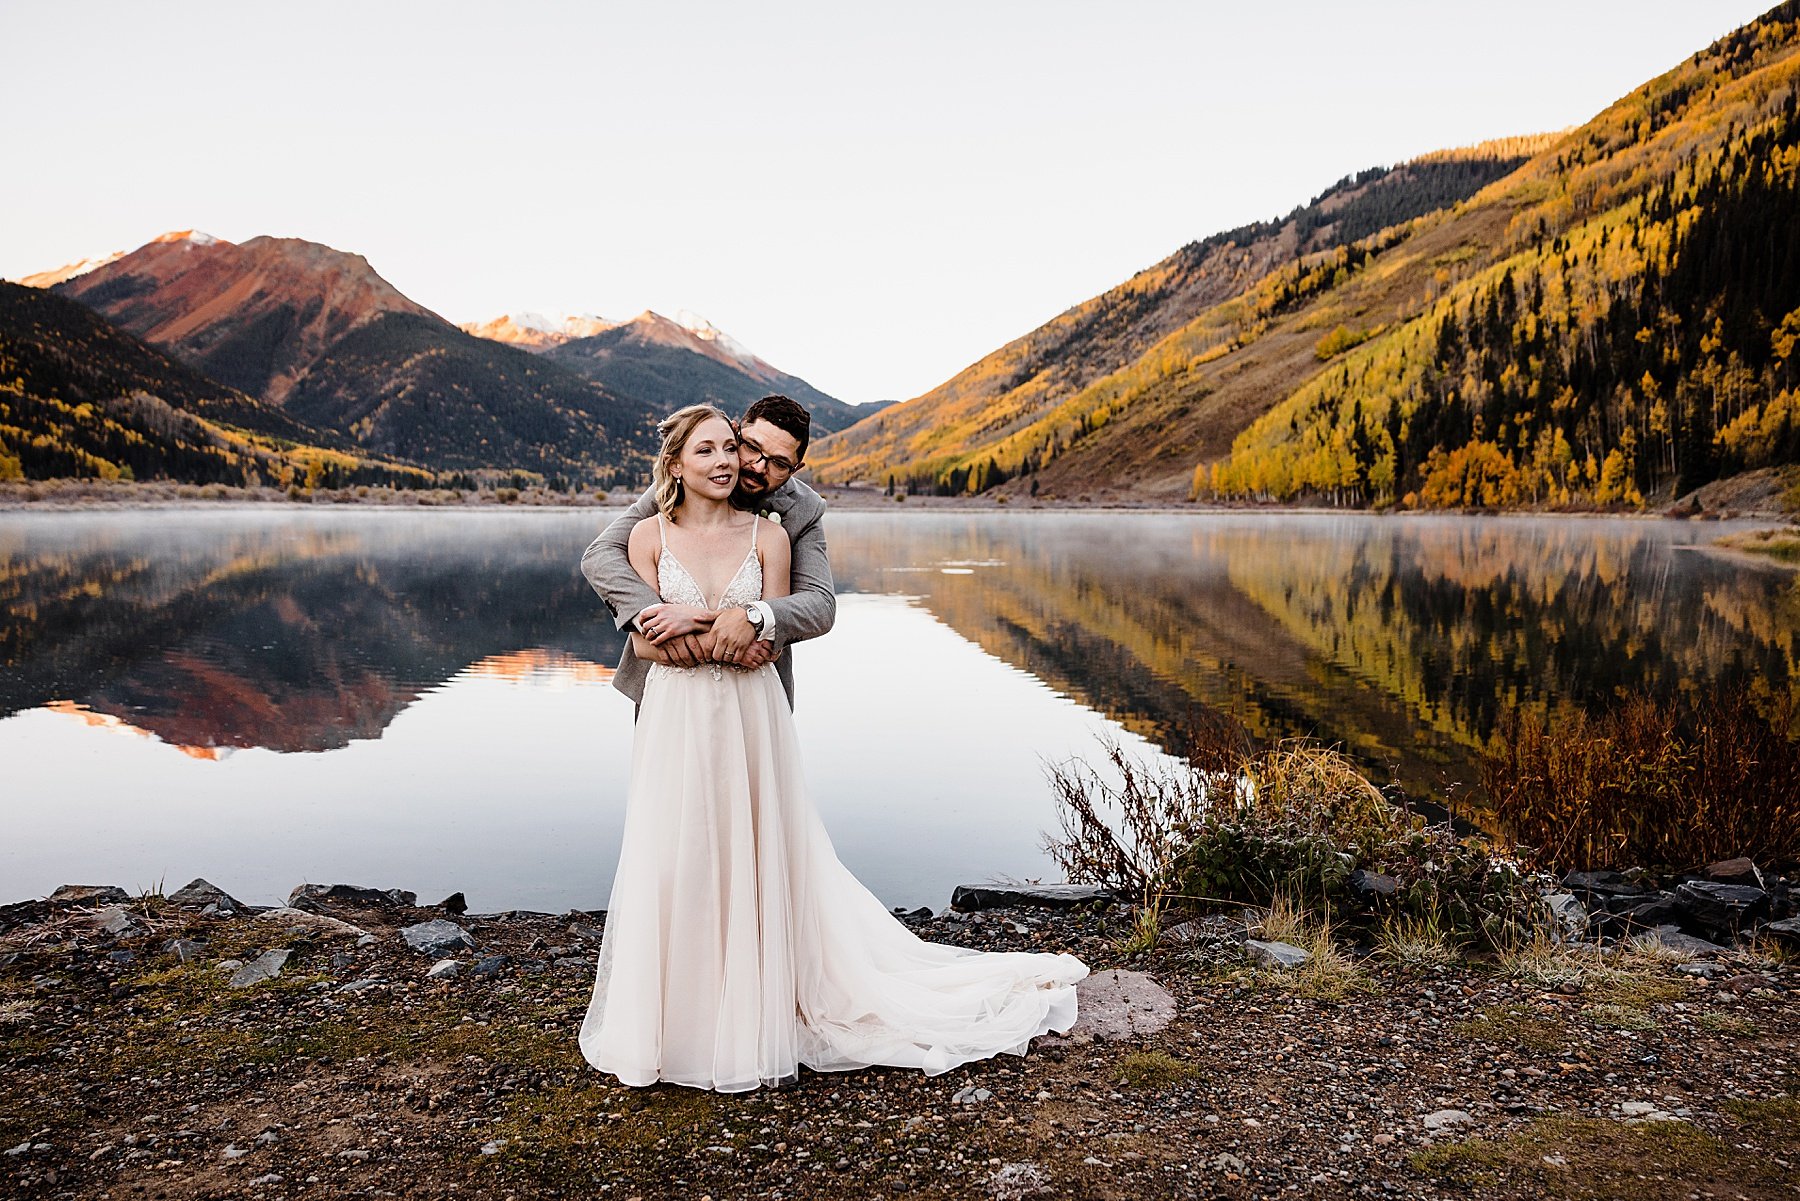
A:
(1757, 495)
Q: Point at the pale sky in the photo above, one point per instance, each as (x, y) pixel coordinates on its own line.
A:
(871, 197)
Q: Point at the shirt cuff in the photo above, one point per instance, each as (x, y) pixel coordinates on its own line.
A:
(767, 630)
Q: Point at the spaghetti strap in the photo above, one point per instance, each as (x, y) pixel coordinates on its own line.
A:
(662, 531)
(755, 528)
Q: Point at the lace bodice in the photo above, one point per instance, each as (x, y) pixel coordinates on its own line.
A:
(677, 585)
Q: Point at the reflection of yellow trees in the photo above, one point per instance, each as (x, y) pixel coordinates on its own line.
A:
(1404, 638)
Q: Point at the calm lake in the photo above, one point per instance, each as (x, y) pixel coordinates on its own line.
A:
(423, 699)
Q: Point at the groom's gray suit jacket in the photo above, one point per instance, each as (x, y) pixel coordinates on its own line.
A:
(806, 612)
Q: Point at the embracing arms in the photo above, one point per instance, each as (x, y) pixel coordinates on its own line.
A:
(643, 549)
(607, 565)
(808, 607)
(609, 568)
(807, 611)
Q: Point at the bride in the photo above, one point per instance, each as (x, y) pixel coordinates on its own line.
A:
(736, 945)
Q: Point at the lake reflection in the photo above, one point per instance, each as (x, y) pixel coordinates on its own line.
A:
(450, 675)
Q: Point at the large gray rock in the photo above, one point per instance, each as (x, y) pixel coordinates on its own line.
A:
(437, 937)
(119, 921)
(1570, 914)
(1116, 1004)
(1726, 908)
(1637, 913)
(353, 894)
(198, 893)
(89, 895)
(968, 897)
(1276, 954)
(1370, 887)
(266, 966)
(1671, 938)
(1787, 930)
(22, 913)
(1734, 871)
(186, 949)
(307, 921)
(1589, 885)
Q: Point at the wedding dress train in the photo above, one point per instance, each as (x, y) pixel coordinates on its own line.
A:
(737, 946)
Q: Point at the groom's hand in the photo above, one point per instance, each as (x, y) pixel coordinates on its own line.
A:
(760, 654)
(732, 635)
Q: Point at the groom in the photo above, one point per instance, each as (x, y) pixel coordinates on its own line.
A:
(772, 442)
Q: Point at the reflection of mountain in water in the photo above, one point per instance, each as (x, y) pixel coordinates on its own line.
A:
(292, 633)
(1401, 638)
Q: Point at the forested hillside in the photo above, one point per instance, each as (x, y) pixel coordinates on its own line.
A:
(81, 398)
(1633, 335)
(1609, 322)
(1008, 413)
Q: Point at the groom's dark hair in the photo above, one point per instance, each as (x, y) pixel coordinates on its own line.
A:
(783, 414)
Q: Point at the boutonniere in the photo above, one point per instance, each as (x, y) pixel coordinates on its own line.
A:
(772, 515)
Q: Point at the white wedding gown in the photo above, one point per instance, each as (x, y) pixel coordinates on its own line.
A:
(737, 947)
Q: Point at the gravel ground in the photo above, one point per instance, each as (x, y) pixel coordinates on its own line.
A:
(127, 1073)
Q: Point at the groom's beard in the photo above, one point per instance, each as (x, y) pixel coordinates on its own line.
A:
(750, 496)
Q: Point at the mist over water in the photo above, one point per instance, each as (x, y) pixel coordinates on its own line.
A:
(423, 700)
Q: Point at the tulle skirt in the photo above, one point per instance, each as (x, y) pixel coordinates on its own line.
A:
(736, 945)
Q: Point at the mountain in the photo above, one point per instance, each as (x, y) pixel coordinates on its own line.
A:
(254, 316)
(1007, 401)
(45, 279)
(666, 362)
(317, 332)
(1612, 318)
(1621, 328)
(534, 331)
(80, 397)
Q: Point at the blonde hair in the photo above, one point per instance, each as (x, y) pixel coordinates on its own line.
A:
(676, 429)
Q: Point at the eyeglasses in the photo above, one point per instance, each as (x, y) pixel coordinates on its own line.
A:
(759, 455)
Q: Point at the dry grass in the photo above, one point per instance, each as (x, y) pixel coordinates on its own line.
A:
(1238, 825)
(1551, 964)
(1330, 975)
(1145, 929)
(1283, 921)
(1651, 782)
(1415, 942)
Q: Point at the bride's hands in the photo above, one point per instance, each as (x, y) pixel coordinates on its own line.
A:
(665, 621)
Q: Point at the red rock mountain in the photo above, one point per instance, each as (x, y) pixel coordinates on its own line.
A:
(254, 315)
(317, 332)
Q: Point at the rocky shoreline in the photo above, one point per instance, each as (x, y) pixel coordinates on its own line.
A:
(356, 1043)
(82, 495)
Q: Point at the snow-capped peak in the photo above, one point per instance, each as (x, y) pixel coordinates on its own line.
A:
(46, 279)
(539, 331)
(530, 320)
(193, 236)
(706, 331)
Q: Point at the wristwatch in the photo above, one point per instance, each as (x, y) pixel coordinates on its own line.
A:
(755, 615)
